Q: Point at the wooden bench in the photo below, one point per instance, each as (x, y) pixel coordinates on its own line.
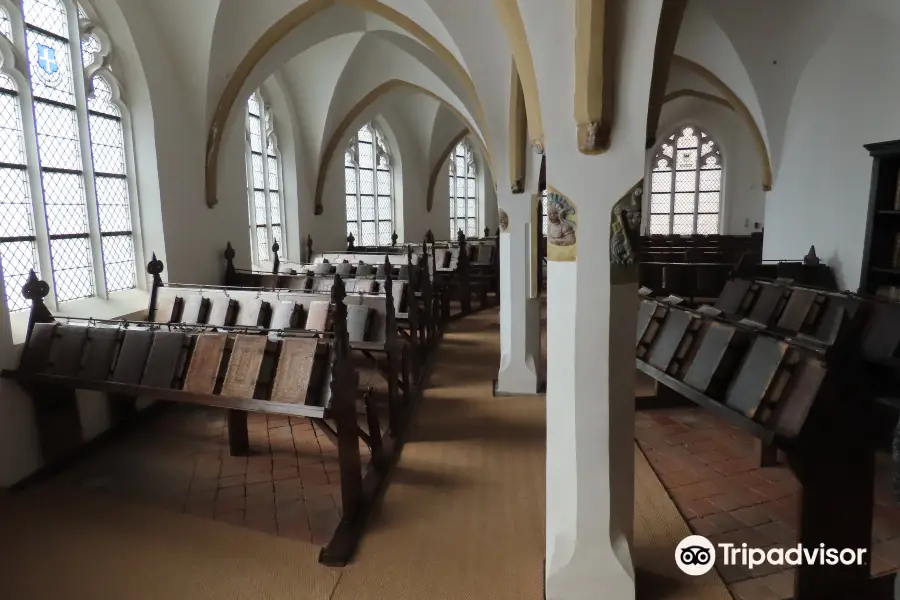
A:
(800, 395)
(244, 368)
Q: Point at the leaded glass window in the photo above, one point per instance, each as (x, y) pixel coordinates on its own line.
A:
(368, 187)
(686, 185)
(463, 200)
(264, 179)
(84, 204)
(544, 213)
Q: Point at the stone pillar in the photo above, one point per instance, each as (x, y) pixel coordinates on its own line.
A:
(520, 314)
(591, 304)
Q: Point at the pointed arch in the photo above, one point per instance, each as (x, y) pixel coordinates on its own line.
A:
(686, 184)
(438, 167)
(369, 187)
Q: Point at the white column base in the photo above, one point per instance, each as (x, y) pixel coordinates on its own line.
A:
(520, 369)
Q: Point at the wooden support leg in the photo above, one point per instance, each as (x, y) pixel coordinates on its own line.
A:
(768, 454)
(238, 435)
(375, 443)
(836, 465)
(393, 372)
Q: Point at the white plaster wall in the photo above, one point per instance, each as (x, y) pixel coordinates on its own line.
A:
(848, 96)
(743, 199)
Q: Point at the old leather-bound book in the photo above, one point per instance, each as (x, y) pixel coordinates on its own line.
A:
(99, 353)
(248, 313)
(358, 322)
(191, 311)
(219, 310)
(132, 356)
(797, 309)
(756, 375)
(281, 315)
(669, 339)
(365, 286)
(710, 359)
(364, 270)
(790, 412)
(68, 348)
(732, 296)
(243, 366)
(205, 363)
(766, 305)
(165, 354)
(344, 269)
(37, 352)
(317, 315)
(164, 308)
(399, 292)
(295, 366)
(322, 269)
(324, 284)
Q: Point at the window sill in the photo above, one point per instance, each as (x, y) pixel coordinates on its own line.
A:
(126, 304)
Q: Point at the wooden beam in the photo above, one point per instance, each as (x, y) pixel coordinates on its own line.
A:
(595, 50)
(518, 124)
(666, 37)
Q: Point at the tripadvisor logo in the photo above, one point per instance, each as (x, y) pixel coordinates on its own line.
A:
(696, 555)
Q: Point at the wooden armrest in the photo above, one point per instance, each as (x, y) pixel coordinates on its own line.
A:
(249, 405)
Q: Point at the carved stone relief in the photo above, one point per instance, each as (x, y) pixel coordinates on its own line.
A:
(504, 220)
(593, 138)
(517, 187)
(562, 227)
(625, 230)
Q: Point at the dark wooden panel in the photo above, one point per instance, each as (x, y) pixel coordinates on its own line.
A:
(294, 370)
(163, 359)
(797, 309)
(755, 375)
(68, 350)
(100, 353)
(669, 339)
(790, 413)
(37, 352)
(827, 327)
(766, 304)
(716, 341)
(205, 363)
(883, 333)
(132, 356)
(733, 295)
(244, 365)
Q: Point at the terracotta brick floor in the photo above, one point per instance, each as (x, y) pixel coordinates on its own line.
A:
(179, 459)
(711, 471)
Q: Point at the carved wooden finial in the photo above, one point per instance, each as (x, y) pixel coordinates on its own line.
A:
(461, 237)
(229, 252)
(497, 232)
(276, 247)
(394, 238)
(409, 253)
(350, 240)
(155, 266)
(811, 259)
(487, 232)
(308, 247)
(35, 289)
(429, 237)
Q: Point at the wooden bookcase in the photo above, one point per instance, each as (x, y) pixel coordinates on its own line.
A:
(881, 254)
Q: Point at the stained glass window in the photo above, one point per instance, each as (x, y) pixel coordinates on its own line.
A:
(368, 188)
(463, 202)
(263, 179)
(686, 185)
(72, 237)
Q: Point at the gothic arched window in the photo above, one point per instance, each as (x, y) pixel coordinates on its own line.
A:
(463, 201)
(369, 188)
(263, 180)
(72, 209)
(686, 185)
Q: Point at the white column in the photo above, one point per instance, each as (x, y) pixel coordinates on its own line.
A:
(520, 315)
(20, 452)
(591, 312)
